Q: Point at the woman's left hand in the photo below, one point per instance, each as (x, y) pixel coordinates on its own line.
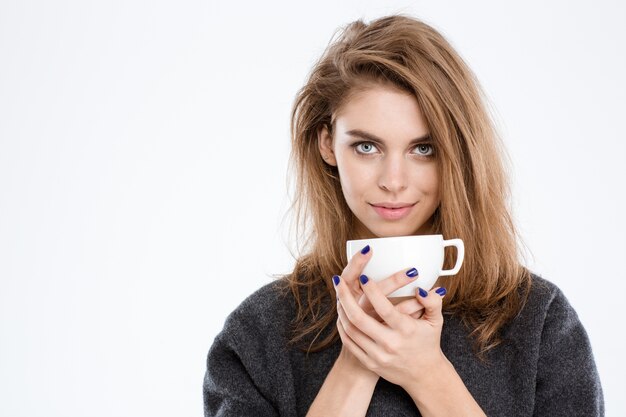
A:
(401, 349)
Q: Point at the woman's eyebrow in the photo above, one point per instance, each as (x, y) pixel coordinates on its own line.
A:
(369, 136)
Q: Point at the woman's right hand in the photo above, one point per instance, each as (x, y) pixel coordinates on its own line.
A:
(350, 275)
(349, 386)
(353, 271)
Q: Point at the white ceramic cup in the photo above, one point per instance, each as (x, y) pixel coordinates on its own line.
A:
(422, 252)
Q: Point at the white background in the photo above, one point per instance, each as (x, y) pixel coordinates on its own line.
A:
(143, 156)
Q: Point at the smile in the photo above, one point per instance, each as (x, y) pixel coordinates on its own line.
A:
(392, 211)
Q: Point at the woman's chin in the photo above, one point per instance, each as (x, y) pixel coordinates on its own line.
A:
(392, 232)
(400, 231)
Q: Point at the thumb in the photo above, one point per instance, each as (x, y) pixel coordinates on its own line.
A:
(432, 302)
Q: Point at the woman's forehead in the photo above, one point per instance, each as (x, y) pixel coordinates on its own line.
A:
(381, 111)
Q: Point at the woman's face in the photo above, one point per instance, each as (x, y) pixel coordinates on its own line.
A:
(386, 162)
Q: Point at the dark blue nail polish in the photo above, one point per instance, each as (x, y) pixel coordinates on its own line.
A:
(423, 292)
(336, 280)
(441, 291)
(411, 273)
(365, 249)
(363, 279)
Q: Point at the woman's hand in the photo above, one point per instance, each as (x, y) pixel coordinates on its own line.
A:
(401, 350)
(353, 271)
(350, 279)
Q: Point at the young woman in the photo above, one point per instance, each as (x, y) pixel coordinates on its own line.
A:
(391, 138)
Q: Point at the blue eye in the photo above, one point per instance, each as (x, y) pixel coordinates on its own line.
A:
(365, 147)
(424, 149)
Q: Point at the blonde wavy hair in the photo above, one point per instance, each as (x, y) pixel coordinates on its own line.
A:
(492, 285)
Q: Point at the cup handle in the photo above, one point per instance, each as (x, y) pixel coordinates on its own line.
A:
(460, 247)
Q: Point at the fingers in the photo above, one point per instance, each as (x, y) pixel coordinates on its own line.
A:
(354, 268)
(397, 280)
(356, 264)
(390, 284)
(359, 353)
(355, 314)
(417, 315)
(432, 302)
(385, 309)
(356, 336)
(411, 307)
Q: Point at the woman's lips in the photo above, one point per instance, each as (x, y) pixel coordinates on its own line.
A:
(392, 213)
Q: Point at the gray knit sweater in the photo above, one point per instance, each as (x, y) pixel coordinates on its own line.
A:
(544, 367)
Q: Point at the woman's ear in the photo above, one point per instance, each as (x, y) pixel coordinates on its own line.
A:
(325, 143)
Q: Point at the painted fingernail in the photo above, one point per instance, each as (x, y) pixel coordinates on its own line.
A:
(441, 291)
(423, 292)
(336, 280)
(411, 273)
(363, 279)
(365, 249)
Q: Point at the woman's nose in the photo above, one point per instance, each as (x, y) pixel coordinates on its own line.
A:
(393, 175)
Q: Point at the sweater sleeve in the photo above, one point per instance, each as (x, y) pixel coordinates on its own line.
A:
(229, 389)
(567, 378)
